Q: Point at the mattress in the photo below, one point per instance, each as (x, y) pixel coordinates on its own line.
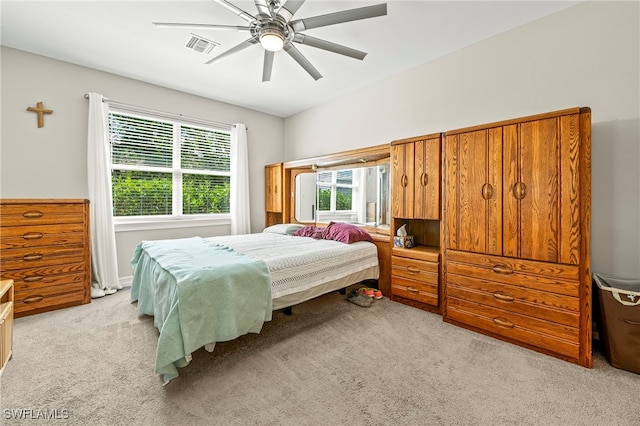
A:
(302, 268)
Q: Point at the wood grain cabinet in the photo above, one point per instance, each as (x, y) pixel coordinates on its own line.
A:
(44, 249)
(415, 275)
(517, 258)
(273, 194)
(416, 185)
(415, 164)
(6, 322)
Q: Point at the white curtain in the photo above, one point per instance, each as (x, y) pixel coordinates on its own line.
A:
(239, 199)
(104, 263)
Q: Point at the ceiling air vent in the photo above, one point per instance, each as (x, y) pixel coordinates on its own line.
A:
(200, 44)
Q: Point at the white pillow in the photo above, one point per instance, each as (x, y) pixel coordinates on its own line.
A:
(283, 228)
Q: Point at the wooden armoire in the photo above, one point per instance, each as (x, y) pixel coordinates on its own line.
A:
(517, 213)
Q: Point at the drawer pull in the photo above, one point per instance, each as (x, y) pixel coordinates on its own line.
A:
(631, 322)
(33, 278)
(29, 257)
(424, 179)
(413, 269)
(32, 214)
(503, 323)
(33, 299)
(503, 297)
(413, 290)
(404, 181)
(33, 235)
(502, 269)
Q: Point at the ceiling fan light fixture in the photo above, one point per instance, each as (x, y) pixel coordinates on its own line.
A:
(271, 40)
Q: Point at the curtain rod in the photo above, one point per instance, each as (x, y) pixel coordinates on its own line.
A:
(165, 114)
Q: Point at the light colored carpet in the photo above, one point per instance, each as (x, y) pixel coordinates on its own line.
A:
(330, 363)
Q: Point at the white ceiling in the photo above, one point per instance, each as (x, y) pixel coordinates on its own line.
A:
(118, 37)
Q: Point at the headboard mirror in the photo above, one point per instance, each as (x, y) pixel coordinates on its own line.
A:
(354, 193)
(346, 187)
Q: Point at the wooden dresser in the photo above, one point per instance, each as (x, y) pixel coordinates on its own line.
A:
(44, 249)
(517, 220)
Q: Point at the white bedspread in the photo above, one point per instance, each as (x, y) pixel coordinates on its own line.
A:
(299, 263)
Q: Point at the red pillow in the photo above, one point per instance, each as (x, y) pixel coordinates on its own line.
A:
(346, 233)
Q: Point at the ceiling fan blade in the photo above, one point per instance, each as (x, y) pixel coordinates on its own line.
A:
(263, 8)
(200, 26)
(235, 9)
(233, 50)
(327, 45)
(289, 9)
(339, 17)
(268, 65)
(300, 59)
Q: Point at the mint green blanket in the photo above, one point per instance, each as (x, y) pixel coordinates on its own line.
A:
(198, 292)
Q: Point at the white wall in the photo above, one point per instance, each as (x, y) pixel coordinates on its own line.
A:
(587, 55)
(50, 162)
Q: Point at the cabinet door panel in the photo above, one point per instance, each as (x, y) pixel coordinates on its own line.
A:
(472, 209)
(427, 175)
(402, 175)
(570, 175)
(539, 195)
(273, 188)
(474, 201)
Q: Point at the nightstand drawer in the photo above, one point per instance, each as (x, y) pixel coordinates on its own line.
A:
(412, 269)
(421, 291)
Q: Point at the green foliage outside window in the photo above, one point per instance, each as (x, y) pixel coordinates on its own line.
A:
(343, 199)
(149, 194)
(205, 194)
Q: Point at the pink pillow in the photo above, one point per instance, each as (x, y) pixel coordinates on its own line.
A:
(310, 231)
(346, 233)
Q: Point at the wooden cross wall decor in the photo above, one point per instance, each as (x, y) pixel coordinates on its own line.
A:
(41, 112)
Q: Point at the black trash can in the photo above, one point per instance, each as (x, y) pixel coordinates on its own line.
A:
(619, 321)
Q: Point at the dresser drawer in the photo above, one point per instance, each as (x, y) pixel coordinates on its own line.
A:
(39, 257)
(37, 282)
(547, 306)
(543, 334)
(42, 299)
(33, 274)
(546, 277)
(41, 214)
(41, 235)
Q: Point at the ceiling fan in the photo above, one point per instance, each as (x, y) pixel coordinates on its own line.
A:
(274, 29)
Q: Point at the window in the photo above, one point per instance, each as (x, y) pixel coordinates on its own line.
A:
(167, 168)
(335, 190)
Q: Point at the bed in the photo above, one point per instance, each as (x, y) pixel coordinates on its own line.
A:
(206, 290)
